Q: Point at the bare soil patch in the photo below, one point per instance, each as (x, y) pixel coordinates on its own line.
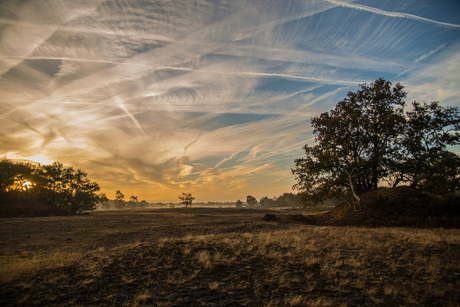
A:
(221, 257)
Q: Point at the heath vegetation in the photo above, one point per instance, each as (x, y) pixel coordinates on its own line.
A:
(222, 257)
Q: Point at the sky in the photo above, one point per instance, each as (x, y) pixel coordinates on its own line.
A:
(155, 98)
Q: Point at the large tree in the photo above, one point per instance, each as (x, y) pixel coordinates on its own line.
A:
(16, 177)
(425, 161)
(70, 189)
(367, 139)
(55, 184)
(355, 143)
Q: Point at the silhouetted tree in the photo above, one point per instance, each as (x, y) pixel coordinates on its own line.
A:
(104, 203)
(251, 201)
(266, 202)
(291, 199)
(186, 199)
(425, 162)
(66, 188)
(367, 138)
(133, 202)
(17, 177)
(239, 204)
(143, 204)
(120, 200)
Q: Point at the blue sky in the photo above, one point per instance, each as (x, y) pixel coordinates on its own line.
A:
(211, 97)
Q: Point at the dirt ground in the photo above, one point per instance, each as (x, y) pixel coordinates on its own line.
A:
(222, 257)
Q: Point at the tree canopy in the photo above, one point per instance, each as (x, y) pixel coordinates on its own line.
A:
(368, 139)
(63, 187)
(284, 200)
(251, 201)
(425, 161)
(187, 198)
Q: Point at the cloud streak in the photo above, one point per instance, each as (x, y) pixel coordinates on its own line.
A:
(392, 14)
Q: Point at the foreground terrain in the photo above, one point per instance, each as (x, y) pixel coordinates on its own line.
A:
(222, 257)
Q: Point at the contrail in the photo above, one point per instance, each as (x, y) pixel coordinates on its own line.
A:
(393, 14)
(131, 116)
(320, 80)
(229, 158)
(429, 53)
(87, 30)
(279, 150)
(186, 147)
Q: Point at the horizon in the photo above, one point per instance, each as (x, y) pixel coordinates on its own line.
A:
(208, 97)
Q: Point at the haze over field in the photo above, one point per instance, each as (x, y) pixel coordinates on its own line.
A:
(211, 97)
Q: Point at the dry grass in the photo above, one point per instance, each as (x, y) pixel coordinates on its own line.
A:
(14, 266)
(230, 260)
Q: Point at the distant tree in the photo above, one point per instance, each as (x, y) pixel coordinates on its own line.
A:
(186, 199)
(120, 200)
(133, 202)
(291, 199)
(239, 204)
(281, 201)
(143, 204)
(104, 202)
(266, 202)
(119, 195)
(251, 201)
(287, 199)
(263, 200)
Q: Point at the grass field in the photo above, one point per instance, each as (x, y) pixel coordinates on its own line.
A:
(221, 257)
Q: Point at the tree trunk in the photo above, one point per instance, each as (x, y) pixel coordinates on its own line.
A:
(353, 189)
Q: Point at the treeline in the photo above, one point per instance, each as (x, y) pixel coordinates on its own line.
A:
(64, 187)
(285, 200)
(112, 204)
(120, 203)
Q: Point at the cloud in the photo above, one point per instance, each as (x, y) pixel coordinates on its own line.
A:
(37, 22)
(429, 53)
(393, 14)
(131, 116)
(211, 96)
(436, 81)
(193, 142)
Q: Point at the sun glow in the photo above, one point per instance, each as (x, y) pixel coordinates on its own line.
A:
(37, 158)
(27, 185)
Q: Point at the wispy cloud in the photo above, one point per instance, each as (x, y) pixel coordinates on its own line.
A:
(436, 81)
(392, 14)
(429, 53)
